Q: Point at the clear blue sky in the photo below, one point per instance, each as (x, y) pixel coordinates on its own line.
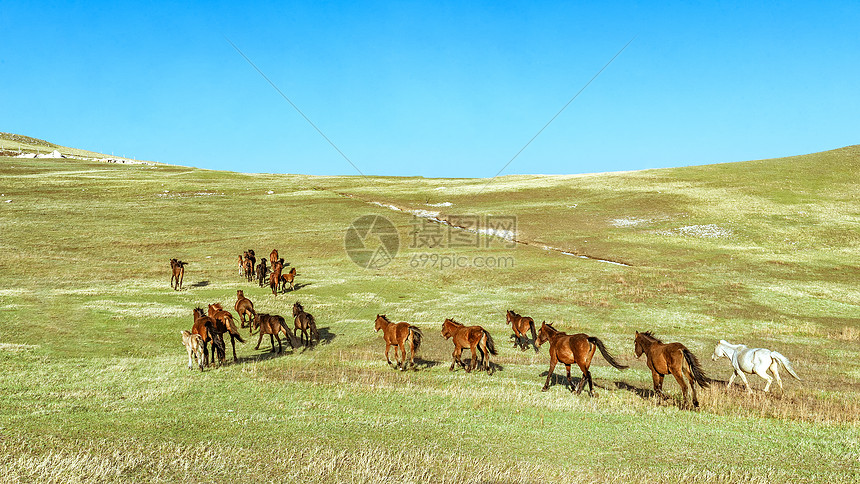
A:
(434, 89)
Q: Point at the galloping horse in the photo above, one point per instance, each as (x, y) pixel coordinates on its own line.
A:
(753, 360)
(569, 349)
(521, 324)
(399, 335)
(262, 272)
(177, 268)
(473, 337)
(205, 327)
(224, 324)
(244, 307)
(272, 324)
(288, 278)
(305, 323)
(674, 359)
(275, 277)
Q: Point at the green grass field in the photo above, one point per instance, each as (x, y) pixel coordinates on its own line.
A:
(95, 386)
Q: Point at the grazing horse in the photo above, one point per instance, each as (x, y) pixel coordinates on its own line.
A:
(262, 272)
(177, 268)
(573, 348)
(224, 324)
(272, 325)
(673, 358)
(753, 360)
(205, 327)
(195, 347)
(399, 335)
(288, 278)
(475, 338)
(244, 307)
(273, 257)
(275, 277)
(305, 323)
(521, 324)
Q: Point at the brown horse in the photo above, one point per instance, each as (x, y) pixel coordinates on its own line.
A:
(570, 349)
(474, 337)
(273, 257)
(673, 358)
(399, 335)
(205, 327)
(244, 307)
(521, 324)
(275, 277)
(262, 272)
(272, 325)
(248, 267)
(177, 268)
(288, 278)
(305, 323)
(224, 324)
(249, 255)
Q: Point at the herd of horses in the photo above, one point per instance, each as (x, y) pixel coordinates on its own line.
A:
(663, 359)
(271, 272)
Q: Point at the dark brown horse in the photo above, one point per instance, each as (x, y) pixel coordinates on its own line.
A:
(521, 324)
(224, 324)
(288, 278)
(177, 268)
(399, 335)
(275, 277)
(272, 325)
(262, 272)
(244, 308)
(249, 255)
(570, 349)
(205, 327)
(273, 257)
(673, 358)
(305, 323)
(475, 338)
(248, 267)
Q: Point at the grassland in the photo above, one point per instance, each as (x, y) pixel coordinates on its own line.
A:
(95, 386)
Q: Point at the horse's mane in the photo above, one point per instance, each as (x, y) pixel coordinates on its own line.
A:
(383, 317)
(651, 336)
(453, 321)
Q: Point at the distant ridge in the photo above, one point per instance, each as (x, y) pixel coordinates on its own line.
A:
(17, 145)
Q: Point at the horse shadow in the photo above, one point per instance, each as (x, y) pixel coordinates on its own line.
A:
(557, 379)
(298, 286)
(265, 353)
(422, 364)
(642, 393)
(200, 284)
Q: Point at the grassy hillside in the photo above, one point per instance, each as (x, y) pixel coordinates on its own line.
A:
(96, 388)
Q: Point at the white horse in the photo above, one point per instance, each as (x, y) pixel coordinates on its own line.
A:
(753, 360)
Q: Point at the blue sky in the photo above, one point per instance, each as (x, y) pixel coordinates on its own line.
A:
(451, 89)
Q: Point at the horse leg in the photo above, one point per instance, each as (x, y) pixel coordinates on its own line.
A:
(689, 373)
(474, 362)
(233, 343)
(578, 387)
(731, 380)
(552, 363)
(190, 359)
(453, 359)
(763, 374)
(774, 368)
(658, 383)
(679, 377)
(744, 379)
(259, 340)
(280, 346)
(387, 346)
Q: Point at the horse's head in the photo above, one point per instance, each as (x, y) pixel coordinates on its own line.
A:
(240, 294)
(297, 308)
(720, 351)
(381, 321)
(639, 347)
(448, 327)
(255, 321)
(198, 312)
(546, 331)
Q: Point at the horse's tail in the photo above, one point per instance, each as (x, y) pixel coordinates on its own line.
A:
(231, 327)
(312, 323)
(603, 351)
(291, 337)
(534, 333)
(784, 362)
(491, 345)
(416, 334)
(217, 343)
(698, 375)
